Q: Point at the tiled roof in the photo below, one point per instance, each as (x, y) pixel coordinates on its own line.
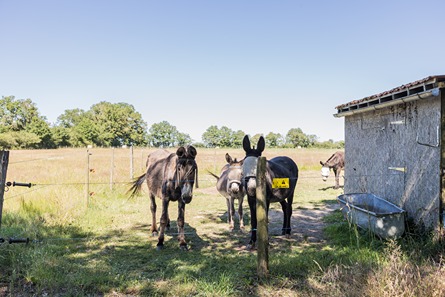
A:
(412, 88)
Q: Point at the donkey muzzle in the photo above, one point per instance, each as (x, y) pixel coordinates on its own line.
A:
(186, 193)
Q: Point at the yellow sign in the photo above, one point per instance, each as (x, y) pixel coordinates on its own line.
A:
(278, 183)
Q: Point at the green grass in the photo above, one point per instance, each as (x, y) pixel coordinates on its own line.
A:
(102, 246)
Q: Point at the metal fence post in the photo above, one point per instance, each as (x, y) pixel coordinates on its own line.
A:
(88, 178)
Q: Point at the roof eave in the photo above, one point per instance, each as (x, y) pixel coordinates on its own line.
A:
(354, 109)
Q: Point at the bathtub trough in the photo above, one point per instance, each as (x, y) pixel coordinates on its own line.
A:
(373, 213)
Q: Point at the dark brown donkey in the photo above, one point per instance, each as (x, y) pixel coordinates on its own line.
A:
(229, 185)
(171, 177)
(278, 167)
(337, 163)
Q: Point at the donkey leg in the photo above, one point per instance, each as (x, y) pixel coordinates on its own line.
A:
(253, 220)
(229, 213)
(163, 224)
(285, 212)
(288, 215)
(232, 213)
(181, 236)
(168, 224)
(240, 212)
(337, 178)
(154, 228)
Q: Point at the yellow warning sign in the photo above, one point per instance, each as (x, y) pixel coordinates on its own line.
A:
(278, 183)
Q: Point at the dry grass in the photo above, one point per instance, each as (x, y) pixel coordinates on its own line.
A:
(400, 277)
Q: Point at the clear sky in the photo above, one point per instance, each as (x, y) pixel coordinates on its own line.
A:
(257, 66)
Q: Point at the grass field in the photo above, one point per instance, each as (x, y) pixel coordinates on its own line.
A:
(89, 239)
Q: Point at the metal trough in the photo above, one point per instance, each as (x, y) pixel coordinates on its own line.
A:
(373, 213)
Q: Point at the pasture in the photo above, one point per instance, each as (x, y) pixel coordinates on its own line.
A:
(88, 238)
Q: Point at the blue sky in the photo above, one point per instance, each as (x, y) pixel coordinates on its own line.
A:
(257, 66)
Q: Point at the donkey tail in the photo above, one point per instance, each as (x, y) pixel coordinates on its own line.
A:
(136, 185)
(212, 174)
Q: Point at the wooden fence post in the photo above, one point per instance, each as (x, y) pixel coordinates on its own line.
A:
(4, 159)
(261, 214)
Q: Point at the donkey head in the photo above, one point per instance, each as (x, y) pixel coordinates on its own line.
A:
(186, 172)
(234, 173)
(250, 163)
(325, 170)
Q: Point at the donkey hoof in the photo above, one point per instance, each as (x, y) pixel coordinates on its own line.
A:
(154, 233)
(184, 247)
(159, 247)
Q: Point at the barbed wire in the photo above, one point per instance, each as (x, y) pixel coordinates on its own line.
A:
(40, 186)
(58, 157)
(43, 185)
(21, 194)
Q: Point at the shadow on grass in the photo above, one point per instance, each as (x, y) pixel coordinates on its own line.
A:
(126, 262)
(332, 187)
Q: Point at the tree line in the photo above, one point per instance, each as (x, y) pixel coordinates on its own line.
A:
(108, 124)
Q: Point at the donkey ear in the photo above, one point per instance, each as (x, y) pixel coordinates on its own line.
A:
(192, 151)
(322, 164)
(228, 158)
(261, 144)
(246, 144)
(181, 152)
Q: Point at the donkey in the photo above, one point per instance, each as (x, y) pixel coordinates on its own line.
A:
(278, 167)
(337, 163)
(170, 177)
(229, 185)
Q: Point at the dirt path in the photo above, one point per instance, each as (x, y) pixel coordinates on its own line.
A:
(307, 224)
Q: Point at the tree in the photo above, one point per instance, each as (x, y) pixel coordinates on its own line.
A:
(105, 124)
(61, 137)
(40, 127)
(164, 134)
(330, 144)
(183, 139)
(20, 120)
(117, 124)
(295, 138)
(18, 140)
(237, 138)
(274, 139)
(223, 137)
(211, 136)
(312, 139)
(70, 118)
(67, 131)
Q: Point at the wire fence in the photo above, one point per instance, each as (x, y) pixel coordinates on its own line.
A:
(36, 185)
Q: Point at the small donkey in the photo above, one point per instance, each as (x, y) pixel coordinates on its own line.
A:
(229, 185)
